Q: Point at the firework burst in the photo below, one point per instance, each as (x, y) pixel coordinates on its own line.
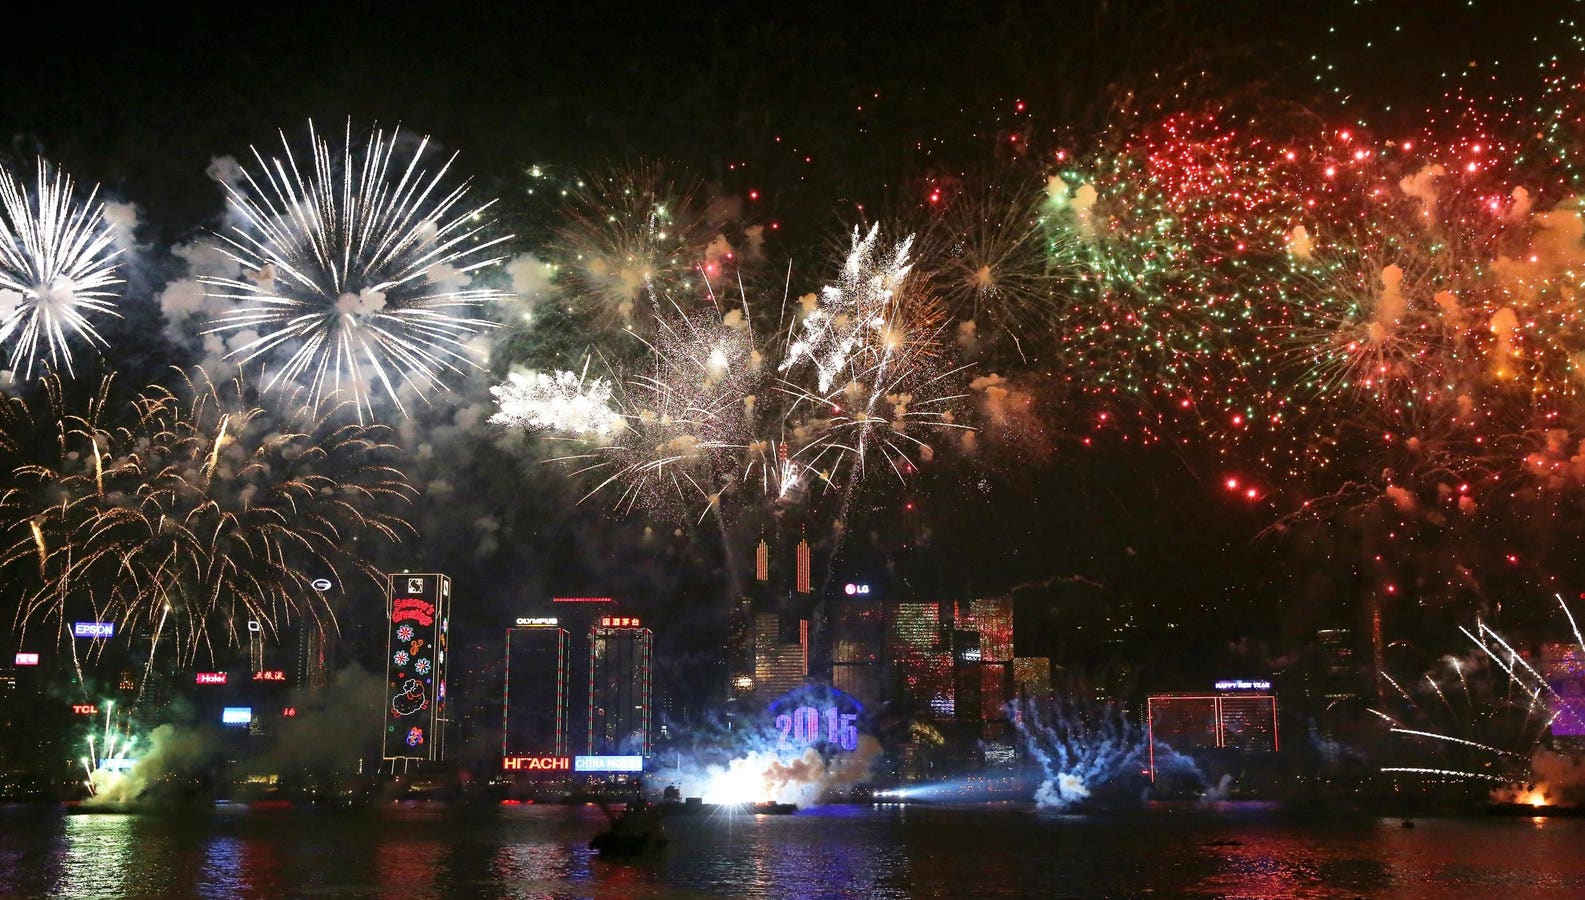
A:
(201, 511)
(57, 266)
(357, 275)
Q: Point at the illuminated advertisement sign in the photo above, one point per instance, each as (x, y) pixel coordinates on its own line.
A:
(236, 715)
(1239, 684)
(581, 599)
(94, 629)
(85, 709)
(819, 717)
(536, 621)
(269, 675)
(608, 764)
(855, 590)
(320, 584)
(27, 659)
(619, 622)
(117, 765)
(210, 678)
(415, 666)
(537, 763)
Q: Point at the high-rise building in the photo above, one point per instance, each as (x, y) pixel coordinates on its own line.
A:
(781, 653)
(534, 708)
(1222, 721)
(418, 614)
(1563, 667)
(621, 655)
(740, 648)
(858, 634)
(803, 583)
(921, 659)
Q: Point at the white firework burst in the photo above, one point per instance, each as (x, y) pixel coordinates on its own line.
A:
(853, 318)
(566, 402)
(356, 273)
(57, 266)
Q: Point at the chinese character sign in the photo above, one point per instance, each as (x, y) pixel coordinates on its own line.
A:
(415, 661)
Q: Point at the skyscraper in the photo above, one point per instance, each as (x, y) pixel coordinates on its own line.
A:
(534, 710)
(781, 653)
(418, 613)
(621, 654)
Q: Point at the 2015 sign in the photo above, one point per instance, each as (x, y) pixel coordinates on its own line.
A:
(802, 726)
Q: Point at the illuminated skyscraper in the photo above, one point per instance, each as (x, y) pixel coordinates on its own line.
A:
(858, 634)
(418, 614)
(534, 709)
(621, 656)
(1223, 721)
(921, 659)
(804, 584)
(781, 654)
(762, 561)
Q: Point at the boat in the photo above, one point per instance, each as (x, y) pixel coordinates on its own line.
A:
(635, 831)
(772, 808)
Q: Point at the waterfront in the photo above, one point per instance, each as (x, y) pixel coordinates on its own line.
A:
(412, 852)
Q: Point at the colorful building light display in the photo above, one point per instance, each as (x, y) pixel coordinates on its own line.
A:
(27, 659)
(1563, 667)
(415, 664)
(581, 600)
(236, 715)
(803, 581)
(94, 629)
(762, 561)
(608, 764)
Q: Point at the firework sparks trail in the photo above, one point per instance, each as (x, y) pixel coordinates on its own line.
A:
(356, 277)
(57, 266)
(201, 511)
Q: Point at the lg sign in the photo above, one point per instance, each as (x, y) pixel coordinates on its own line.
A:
(855, 589)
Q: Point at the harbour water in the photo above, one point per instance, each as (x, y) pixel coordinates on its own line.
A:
(408, 852)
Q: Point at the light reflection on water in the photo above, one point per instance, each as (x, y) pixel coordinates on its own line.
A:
(408, 853)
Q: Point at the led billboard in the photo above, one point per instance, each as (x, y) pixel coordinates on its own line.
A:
(415, 666)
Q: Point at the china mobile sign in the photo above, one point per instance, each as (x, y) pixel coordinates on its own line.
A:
(415, 666)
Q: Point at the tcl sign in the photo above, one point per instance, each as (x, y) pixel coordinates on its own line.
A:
(537, 764)
(85, 709)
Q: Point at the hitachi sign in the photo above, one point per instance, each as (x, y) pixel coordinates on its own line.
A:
(537, 764)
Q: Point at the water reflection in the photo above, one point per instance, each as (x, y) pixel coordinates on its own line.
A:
(410, 853)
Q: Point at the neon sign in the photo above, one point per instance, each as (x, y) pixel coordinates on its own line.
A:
(415, 667)
(619, 622)
(210, 678)
(855, 589)
(536, 763)
(236, 715)
(320, 584)
(85, 709)
(269, 675)
(27, 659)
(580, 599)
(94, 629)
(120, 764)
(289, 712)
(1238, 684)
(608, 764)
(536, 621)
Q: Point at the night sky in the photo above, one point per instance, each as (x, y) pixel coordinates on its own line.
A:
(836, 113)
